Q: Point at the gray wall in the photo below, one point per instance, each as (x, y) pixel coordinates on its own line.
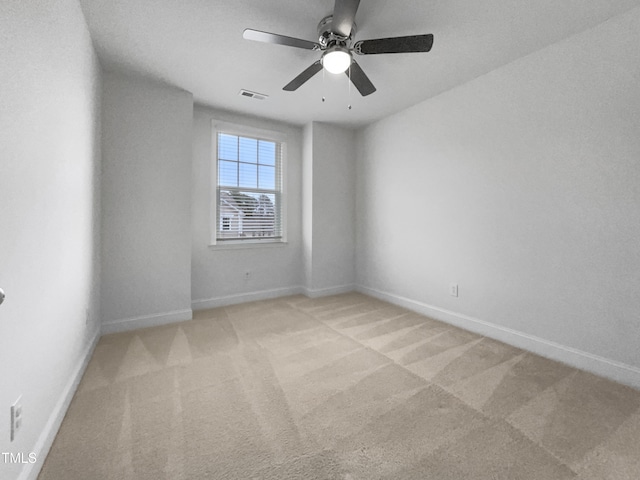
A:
(49, 213)
(522, 186)
(329, 208)
(218, 272)
(146, 209)
(307, 204)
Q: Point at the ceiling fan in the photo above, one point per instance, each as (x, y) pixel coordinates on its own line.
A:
(335, 41)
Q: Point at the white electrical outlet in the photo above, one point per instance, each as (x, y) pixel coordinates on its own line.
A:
(16, 417)
(453, 289)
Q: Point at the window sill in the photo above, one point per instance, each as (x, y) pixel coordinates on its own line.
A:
(241, 245)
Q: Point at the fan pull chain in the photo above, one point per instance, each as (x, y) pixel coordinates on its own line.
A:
(350, 86)
(323, 84)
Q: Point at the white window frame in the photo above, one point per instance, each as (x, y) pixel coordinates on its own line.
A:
(245, 131)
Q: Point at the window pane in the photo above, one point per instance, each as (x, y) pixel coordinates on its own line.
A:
(227, 147)
(260, 218)
(266, 152)
(248, 204)
(228, 173)
(248, 150)
(248, 175)
(267, 177)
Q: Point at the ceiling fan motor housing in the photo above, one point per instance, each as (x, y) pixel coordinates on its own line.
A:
(328, 38)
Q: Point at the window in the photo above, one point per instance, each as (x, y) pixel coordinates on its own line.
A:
(249, 189)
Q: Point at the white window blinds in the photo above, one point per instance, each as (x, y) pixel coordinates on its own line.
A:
(249, 188)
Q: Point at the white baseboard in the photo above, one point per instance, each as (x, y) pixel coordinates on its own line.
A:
(612, 369)
(145, 321)
(324, 292)
(216, 302)
(45, 440)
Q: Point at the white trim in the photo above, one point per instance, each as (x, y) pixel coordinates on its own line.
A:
(145, 321)
(239, 129)
(324, 292)
(612, 369)
(233, 245)
(215, 302)
(243, 130)
(31, 470)
(284, 190)
(213, 185)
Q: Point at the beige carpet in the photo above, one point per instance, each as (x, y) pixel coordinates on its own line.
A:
(343, 387)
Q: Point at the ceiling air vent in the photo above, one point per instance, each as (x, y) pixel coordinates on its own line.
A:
(249, 94)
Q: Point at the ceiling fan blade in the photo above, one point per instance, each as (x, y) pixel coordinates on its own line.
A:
(412, 43)
(276, 39)
(303, 77)
(360, 79)
(344, 14)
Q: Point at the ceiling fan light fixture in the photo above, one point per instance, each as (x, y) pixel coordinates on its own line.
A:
(336, 60)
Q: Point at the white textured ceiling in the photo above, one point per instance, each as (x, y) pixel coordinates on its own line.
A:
(197, 45)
